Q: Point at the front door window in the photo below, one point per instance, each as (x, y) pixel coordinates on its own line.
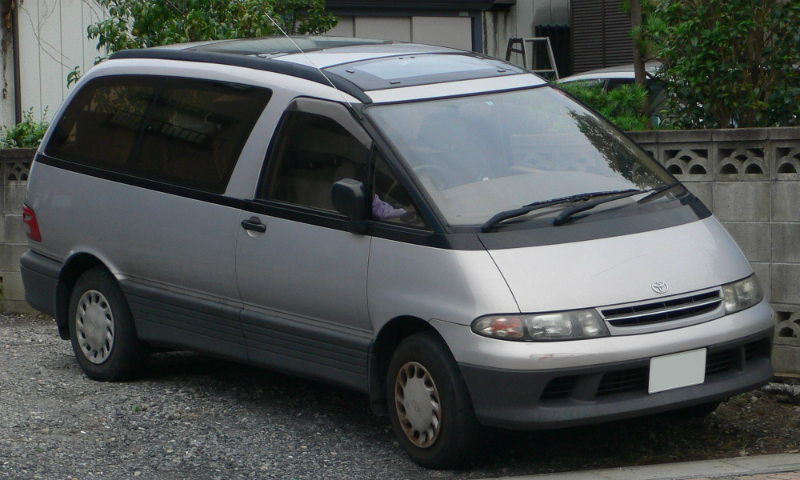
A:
(313, 152)
(390, 200)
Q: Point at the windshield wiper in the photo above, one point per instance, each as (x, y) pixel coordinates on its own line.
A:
(570, 211)
(525, 209)
(655, 191)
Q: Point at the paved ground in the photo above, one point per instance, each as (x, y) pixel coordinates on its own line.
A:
(764, 476)
(196, 417)
(764, 467)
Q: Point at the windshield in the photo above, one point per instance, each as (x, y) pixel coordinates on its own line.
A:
(480, 155)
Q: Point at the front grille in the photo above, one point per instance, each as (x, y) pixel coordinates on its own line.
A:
(636, 379)
(720, 361)
(623, 381)
(663, 311)
(559, 387)
(760, 348)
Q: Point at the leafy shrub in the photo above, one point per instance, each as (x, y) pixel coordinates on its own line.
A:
(622, 106)
(27, 134)
(150, 23)
(728, 63)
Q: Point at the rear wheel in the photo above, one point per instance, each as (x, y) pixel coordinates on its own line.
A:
(102, 331)
(429, 405)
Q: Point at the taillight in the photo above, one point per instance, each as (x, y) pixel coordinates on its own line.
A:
(31, 224)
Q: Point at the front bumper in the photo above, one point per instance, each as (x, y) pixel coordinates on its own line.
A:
(540, 385)
(473, 349)
(543, 399)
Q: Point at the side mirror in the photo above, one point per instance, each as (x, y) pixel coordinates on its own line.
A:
(347, 196)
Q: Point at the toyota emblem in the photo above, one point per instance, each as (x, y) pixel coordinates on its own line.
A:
(659, 287)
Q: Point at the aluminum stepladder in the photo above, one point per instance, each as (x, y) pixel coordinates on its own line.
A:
(520, 45)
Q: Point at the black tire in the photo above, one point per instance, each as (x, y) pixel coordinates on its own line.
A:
(695, 411)
(104, 338)
(458, 434)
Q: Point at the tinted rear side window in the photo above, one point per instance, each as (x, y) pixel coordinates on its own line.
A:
(184, 132)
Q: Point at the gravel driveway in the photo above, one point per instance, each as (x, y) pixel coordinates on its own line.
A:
(202, 418)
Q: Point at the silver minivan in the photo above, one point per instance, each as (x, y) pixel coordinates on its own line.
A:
(441, 230)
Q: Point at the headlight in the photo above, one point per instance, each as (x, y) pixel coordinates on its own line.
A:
(742, 294)
(542, 327)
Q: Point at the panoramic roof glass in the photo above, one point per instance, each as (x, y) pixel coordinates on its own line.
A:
(422, 69)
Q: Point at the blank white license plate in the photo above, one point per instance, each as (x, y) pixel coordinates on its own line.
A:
(679, 370)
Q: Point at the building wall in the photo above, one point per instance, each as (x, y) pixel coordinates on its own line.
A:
(52, 41)
(7, 105)
(15, 166)
(448, 31)
(520, 20)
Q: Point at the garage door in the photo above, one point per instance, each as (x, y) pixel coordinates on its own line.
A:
(453, 32)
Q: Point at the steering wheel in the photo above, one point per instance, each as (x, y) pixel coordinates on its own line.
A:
(434, 173)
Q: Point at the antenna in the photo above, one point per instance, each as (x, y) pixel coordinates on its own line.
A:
(309, 59)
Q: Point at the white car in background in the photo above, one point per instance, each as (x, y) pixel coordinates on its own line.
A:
(614, 77)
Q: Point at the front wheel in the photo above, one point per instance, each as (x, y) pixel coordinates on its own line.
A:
(102, 331)
(429, 405)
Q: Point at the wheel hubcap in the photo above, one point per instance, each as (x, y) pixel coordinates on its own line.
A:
(94, 324)
(417, 401)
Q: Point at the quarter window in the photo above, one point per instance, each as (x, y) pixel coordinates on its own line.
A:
(390, 201)
(313, 152)
(100, 126)
(183, 132)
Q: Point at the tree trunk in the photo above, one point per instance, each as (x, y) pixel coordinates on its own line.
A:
(638, 55)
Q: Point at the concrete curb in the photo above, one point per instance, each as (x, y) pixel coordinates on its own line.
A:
(726, 467)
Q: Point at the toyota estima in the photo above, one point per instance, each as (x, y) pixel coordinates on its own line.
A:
(443, 231)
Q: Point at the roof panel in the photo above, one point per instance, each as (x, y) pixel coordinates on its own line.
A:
(353, 65)
(453, 89)
(278, 44)
(338, 56)
(422, 69)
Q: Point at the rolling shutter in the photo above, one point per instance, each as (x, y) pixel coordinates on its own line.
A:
(600, 34)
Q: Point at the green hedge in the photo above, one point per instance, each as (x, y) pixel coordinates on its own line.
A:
(27, 134)
(622, 106)
(728, 63)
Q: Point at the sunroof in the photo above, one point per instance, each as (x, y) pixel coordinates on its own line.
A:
(408, 70)
(413, 66)
(273, 45)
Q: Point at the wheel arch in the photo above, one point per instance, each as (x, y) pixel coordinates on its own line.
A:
(381, 351)
(73, 268)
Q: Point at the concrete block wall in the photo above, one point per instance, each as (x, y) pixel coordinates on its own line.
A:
(750, 179)
(15, 166)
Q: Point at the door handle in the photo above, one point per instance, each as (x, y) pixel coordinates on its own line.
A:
(254, 224)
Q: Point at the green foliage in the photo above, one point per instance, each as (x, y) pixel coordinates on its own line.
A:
(150, 23)
(621, 106)
(728, 63)
(74, 75)
(27, 134)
